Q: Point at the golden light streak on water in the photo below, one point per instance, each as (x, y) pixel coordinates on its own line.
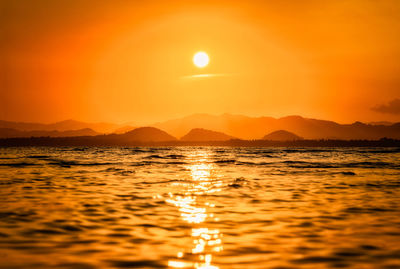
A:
(206, 240)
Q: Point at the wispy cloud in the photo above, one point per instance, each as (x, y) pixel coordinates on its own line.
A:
(393, 107)
(200, 76)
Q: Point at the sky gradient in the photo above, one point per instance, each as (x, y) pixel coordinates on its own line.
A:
(131, 61)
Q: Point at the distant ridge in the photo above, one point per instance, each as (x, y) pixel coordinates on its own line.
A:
(199, 134)
(8, 133)
(281, 135)
(239, 126)
(244, 127)
(60, 126)
(386, 123)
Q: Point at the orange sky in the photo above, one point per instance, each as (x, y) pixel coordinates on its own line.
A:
(131, 61)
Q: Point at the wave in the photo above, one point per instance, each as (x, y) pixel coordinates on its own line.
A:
(20, 164)
(176, 162)
(321, 165)
(175, 156)
(65, 163)
(135, 264)
(153, 156)
(144, 163)
(225, 161)
(381, 150)
(40, 157)
(170, 156)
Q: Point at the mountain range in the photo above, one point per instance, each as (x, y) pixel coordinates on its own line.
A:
(202, 127)
(8, 132)
(66, 125)
(245, 127)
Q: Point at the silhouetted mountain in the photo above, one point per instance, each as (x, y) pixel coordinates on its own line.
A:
(146, 134)
(199, 134)
(180, 127)
(60, 126)
(8, 132)
(281, 135)
(239, 126)
(255, 127)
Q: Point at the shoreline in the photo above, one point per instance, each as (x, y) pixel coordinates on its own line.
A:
(99, 142)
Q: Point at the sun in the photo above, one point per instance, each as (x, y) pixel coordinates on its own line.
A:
(200, 59)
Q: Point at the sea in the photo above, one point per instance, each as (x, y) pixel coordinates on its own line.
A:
(199, 207)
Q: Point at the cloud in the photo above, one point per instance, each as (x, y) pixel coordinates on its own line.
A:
(393, 107)
(206, 76)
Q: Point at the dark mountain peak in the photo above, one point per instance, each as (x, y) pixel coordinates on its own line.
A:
(281, 135)
(359, 123)
(143, 129)
(200, 134)
(148, 134)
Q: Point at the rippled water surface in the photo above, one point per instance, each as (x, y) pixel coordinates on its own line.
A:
(199, 207)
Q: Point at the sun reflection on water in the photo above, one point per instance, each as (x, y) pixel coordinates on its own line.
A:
(206, 240)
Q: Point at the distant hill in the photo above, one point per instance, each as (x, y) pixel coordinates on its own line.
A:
(239, 126)
(281, 135)
(8, 132)
(386, 123)
(199, 134)
(145, 134)
(255, 127)
(60, 126)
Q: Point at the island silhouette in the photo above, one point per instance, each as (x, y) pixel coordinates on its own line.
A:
(203, 129)
(200, 134)
(281, 135)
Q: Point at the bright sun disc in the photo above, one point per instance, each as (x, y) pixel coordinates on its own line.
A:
(200, 59)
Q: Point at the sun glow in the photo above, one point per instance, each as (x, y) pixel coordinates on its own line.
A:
(201, 59)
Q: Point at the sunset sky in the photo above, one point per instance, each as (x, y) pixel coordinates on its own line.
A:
(131, 61)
